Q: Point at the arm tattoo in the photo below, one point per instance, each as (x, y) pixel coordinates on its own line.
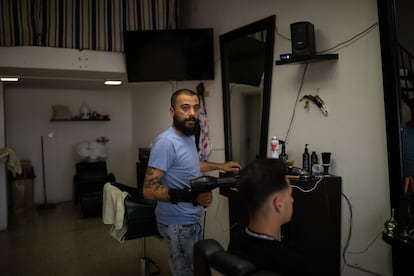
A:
(152, 181)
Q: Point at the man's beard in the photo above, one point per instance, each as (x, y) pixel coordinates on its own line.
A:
(180, 125)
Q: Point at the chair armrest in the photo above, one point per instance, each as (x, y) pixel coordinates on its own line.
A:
(202, 253)
(139, 209)
(141, 219)
(229, 264)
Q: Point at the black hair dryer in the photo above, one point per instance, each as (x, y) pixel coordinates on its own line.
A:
(208, 183)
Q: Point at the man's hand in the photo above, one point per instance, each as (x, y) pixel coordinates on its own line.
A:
(231, 166)
(205, 199)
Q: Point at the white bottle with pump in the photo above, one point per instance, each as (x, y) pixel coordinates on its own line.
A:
(274, 147)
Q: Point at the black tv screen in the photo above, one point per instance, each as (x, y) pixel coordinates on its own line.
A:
(165, 55)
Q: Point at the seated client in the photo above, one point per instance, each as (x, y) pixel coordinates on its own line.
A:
(266, 191)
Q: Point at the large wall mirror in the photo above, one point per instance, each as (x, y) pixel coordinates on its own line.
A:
(397, 51)
(397, 54)
(246, 67)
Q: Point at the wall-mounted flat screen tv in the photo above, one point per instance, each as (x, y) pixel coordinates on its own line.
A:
(169, 55)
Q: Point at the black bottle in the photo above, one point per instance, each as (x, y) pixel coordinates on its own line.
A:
(284, 155)
(314, 159)
(305, 159)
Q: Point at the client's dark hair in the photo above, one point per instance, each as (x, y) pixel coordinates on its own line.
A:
(179, 92)
(259, 179)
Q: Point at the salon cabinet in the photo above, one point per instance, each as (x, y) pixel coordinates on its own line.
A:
(315, 227)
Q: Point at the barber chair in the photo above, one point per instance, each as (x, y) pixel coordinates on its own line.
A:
(209, 254)
(88, 186)
(141, 223)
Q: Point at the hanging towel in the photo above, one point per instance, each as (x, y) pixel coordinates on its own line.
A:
(113, 211)
(204, 143)
(13, 161)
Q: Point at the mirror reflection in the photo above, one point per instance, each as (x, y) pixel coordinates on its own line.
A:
(247, 62)
(245, 106)
(408, 148)
(405, 49)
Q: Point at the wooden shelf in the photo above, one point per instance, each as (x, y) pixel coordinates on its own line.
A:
(79, 120)
(303, 59)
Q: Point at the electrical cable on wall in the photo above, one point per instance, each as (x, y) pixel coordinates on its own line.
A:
(296, 101)
(338, 46)
(343, 44)
(345, 249)
(351, 40)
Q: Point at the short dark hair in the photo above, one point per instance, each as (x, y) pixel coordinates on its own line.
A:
(179, 92)
(259, 179)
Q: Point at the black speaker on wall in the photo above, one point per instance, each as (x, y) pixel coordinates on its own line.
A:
(303, 39)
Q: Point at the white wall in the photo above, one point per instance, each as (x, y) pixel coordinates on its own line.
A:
(351, 87)
(28, 113)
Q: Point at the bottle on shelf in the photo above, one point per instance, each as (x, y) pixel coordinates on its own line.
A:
(305, 159)
(283, 154)
(85, 111)
(274, 147)
(314, 159)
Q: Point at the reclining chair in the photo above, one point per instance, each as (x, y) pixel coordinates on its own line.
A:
(209, 254)
(88, 186)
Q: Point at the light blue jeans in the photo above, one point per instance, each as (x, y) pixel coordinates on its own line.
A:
(181, 240)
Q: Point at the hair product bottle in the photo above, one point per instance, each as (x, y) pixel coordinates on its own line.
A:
(283, 154)
(305, 159)
(314, 158)
(85, 111)
(274, 147)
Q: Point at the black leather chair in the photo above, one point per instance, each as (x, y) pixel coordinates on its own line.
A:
(141, 223)
(139, 214)
(209, 254)
(88, 186)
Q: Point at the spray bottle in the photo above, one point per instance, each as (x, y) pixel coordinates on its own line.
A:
(274, 147)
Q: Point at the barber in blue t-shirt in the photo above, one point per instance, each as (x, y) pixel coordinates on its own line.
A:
(174, 161)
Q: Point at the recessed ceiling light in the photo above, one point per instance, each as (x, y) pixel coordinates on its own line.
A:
(9, 79)
(113, 82)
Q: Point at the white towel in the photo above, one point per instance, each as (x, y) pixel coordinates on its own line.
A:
(113, 211)
(13, 162)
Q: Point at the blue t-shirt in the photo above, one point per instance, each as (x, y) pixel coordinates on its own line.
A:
(408, 142)
(177, 156)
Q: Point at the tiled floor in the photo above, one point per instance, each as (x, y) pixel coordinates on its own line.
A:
(62, 242)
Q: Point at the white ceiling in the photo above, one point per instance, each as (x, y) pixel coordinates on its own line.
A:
(71, 79)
